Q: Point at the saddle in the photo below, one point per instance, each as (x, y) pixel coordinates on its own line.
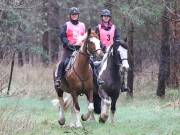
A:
(71, 61)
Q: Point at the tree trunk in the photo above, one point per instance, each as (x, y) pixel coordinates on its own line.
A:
(45, 48)
(27, 55)
(130, 58)
(1, 53)
(53, 23)
(108, 5)
(175, 50)
(20, 58)
(164, 67)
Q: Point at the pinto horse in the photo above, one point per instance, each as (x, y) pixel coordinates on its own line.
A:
(79, 78)
(110, 71)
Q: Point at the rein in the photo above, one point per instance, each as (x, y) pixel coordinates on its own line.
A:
(85, 53)
(81, 79)
(124, 59)
(108, 53)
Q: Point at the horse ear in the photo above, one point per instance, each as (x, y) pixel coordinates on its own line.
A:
(89, 31)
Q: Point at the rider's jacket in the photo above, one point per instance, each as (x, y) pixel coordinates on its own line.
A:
(74, 31)
(69, 33)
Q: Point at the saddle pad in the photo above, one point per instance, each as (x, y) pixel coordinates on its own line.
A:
(71, 61)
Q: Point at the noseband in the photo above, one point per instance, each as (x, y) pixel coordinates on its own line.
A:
(86, 51)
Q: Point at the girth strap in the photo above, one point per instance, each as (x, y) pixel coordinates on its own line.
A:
(82, 80)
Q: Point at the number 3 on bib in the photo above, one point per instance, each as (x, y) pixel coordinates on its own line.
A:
(108, 37)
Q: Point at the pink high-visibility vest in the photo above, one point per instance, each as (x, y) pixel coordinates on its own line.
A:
(74, 31)
(106, 37)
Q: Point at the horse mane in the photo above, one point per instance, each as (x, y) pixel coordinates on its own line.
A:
(106, 55)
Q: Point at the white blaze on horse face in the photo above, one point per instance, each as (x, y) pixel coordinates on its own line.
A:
(124, 56)
(97, 44)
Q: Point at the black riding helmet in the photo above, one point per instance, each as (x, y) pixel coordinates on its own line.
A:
(105, 12)
(74, 10)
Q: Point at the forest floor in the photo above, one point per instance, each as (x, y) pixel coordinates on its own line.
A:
(140, 116)
(29, 111)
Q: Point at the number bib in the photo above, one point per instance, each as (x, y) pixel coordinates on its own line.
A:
(107, 37)
(74, 31)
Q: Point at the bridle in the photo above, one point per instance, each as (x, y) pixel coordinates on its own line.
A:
(86, 51)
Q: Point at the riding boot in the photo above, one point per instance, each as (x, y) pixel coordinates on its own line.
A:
(95, 76)
(61, 72)
(124, 88)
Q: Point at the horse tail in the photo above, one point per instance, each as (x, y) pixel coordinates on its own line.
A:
(53, 74)
(68, 102)
(97, 103)
(54, 70)
(55, 103)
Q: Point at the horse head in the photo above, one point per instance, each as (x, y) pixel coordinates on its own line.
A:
(119, 55)
(91, 43)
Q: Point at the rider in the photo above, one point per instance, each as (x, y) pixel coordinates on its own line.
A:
(70, 31)
(109, 34)
(68, 35)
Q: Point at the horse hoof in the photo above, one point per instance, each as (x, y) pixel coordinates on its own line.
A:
(79, 125)
(61, 122)
(82, 118)
(102, 119)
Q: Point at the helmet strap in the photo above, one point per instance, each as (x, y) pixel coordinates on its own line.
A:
(75, 22)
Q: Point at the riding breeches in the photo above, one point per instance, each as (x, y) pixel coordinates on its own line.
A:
(62, 67)
(65, 57)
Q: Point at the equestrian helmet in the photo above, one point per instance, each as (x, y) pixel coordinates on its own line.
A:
(74, 10)
(105, 12)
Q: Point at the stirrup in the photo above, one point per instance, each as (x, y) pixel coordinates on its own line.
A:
(57, 83)
(100, 82)
(124, 89)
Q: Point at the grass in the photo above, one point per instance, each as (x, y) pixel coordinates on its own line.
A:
(30, 112)
(136, 117)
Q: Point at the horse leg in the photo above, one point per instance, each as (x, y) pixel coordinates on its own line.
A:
(113, 108)
(76, 110)
(72, 124)
(90, 106)
(61, 107)
(105, 106)
(92, 117)
(67, 101)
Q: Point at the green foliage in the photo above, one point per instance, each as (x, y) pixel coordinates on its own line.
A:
(11, 20)
(141, 12)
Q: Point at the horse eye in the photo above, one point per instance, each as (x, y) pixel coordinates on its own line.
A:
(90, 42)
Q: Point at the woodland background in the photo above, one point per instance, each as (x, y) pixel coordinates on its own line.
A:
(30, 48)
(29, 30)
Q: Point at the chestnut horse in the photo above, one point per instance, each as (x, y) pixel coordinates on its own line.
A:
(79, 78)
